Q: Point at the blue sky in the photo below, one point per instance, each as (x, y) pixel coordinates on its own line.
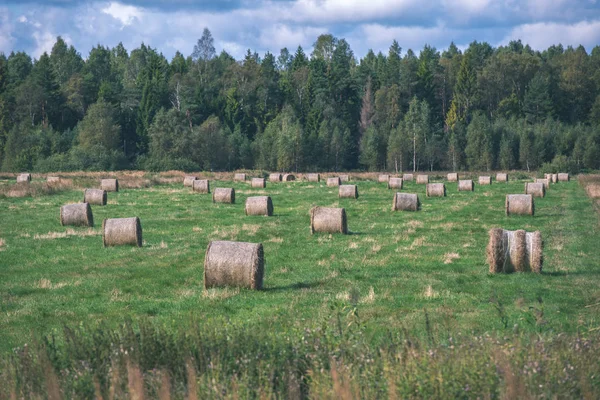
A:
(237, 25)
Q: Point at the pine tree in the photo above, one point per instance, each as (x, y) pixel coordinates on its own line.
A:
(537, 104)
(479, 143)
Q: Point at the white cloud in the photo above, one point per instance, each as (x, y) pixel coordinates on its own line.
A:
(22, 19)
(321, 11)
(6, 30)
(44, 42)
(124, 13)
(277, 36)
(543, 35)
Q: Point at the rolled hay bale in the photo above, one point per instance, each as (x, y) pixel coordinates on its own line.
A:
(122, 231)
(395, 183)
(520, 204)
(466, 185)
(348, 192)
(110, 185)
(239, 177)
(554, 178)
(550, 178)
(258, 183)
(406, 202)
(335, 181)
(383, 178)
(188, 180)
(328, 220)
(79, 214)
(314, 177)
(485, 180)
(408, 177)
(201, 186)
(96, 197)
(259, 205)
(53, 179)
(563, 177)
(345, 178)
(288, 177)
(236, 264)
(500, 177)
(453, 177)
(24, 178)
(535, 189)
(224, 195)
(275, 177)
(435, 190)
(422, 179)
(510, 251)
(545, 182)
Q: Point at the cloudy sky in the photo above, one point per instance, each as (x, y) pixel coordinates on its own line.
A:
(269, 25)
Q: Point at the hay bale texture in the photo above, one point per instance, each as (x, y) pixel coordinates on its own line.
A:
(519, 204)
(239, 177)
(237, 264)
(258, 183)
(466, 185)
(335, 181)
(408, 177)
(97, 197)
(453, 177)
(435, 190)
(288, 177)
(79, 214)
(554, 178)
(510, 251)
(201, 186)
(110, 185)
(348, 192)
(535, 189)
(314, 177)
(383, 178)
(485, 180)
(224, 195)
(345, 178)
(500, 177)
(563, 177)
(122, 231)
(276, 177)
(406, 202)
(395, 183)
(188, 180)
(53, 179)
(422, 179)
(259, 205)
(328, 220)
(545, 182)
(23, 178)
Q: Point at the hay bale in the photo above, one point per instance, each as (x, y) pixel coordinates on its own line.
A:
(453, 177)
(328, 220)
(24, 178)
(276, 177)
(466, 185)
(76, 215)
(500, 177)
(258, 183)
(435, 190)
(122, 231)
(314, 177)
(383, 178)
(485, 180)
(236, 264)
(345, 178)
(406, 202)
(348, 192)
(535, 189)
(422, 179)
(395, 183)
(408, 177)
(96, 197)
(545, 182)
(53, 179)
(335, 181)
(520, 204)
(563, 177)
(288, 177)
(224, 195)
(259, 205)
(201, 186)
(510, 251)
(110, 185)
(188, 180)
(239, 177)
(554, 178)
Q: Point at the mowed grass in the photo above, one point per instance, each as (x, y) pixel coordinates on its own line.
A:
(397, 268)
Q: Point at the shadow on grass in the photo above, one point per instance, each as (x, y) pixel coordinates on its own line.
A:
(293, 286)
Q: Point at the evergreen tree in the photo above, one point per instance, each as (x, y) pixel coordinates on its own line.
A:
(479, 143)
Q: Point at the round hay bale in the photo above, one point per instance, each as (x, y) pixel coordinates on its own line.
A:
(485, 180)
(422, 179)
(96, 197)
(383, 178)
(259, 205)
(348, 192)
(328, 220)
(535, 189)
(275, 177)
(500, 177)
(545, 182)
(224, 195)
(258, 183)
(122, 231)
(453, 177)
(554, 178)
(335, 181)
(24, 178)
(236, 264)
(520, 204)
(563, 177)
(79, 214)
(395, 183)
(53, 179)
(510, 251)
(188, 180)
(406, 202)
(408, 177)
(288, 177)
(201, 186)
(435, 190)
(345, 178)
(314, 177)
(239, 177)
(466, 185)
(550, 177)
(110, 185)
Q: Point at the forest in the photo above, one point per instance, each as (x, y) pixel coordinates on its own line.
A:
(481, 108)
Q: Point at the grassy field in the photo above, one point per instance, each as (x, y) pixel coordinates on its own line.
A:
(422, 273)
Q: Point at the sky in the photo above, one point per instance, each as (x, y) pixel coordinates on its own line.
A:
(270, 25)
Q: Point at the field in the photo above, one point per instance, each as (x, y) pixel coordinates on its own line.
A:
(419, 274)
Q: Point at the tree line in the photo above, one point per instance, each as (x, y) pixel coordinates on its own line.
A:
(483, 108)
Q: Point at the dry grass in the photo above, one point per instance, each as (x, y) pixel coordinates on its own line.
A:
(67, 233)
(275, 240)
(220, 293)
(2, 244)
(429, 293)
(449, 257)
(46, 284)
